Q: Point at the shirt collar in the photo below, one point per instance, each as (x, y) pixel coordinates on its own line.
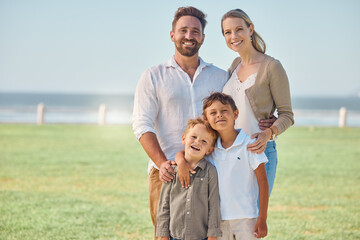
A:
(201, 164)
(172, 63)
(240, 138)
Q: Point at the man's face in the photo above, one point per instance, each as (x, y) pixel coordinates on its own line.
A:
(187, 36)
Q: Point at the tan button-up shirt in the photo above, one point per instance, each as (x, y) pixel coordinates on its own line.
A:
(192, 213)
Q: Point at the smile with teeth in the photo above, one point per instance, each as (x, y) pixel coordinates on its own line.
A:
(189, 43)
(195, 148)
(236, 43)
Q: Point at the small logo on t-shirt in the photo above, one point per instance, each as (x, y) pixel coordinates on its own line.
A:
(238, 158)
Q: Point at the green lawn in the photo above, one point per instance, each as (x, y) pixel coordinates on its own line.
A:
(89, 182)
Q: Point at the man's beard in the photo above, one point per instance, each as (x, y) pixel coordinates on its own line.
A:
(188, 52)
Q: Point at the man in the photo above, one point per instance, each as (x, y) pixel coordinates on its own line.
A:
(169, 94)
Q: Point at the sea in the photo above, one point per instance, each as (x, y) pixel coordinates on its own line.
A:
(84, 109)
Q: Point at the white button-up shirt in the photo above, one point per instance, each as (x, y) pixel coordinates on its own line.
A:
(166, 98)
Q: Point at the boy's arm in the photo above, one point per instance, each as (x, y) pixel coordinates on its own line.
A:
(214, 205)
(163, 213)
(183, 169)
(260, 229)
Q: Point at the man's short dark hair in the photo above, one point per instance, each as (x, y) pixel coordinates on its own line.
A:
(189, 11)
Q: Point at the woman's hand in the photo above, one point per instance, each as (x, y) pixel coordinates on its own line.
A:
(260, 144)
(183, 169)
(266, 123)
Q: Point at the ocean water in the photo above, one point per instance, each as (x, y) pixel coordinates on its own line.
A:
(84, 108)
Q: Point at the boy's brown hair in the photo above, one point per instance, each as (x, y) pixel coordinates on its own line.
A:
(189, 11)
(193, 122)
(221, 97)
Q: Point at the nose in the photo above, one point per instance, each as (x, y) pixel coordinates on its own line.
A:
(188, 35)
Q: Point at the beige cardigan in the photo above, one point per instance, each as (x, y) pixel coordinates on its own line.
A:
(271, 91)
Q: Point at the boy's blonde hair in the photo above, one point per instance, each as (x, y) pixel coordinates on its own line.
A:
(221, 97)
(193, 122)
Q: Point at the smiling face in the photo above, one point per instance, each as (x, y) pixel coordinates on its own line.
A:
(198, 142)
(187, 36)
(221, 116)
(237, 34)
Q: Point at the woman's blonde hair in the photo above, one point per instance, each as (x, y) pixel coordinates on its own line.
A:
(257, 42)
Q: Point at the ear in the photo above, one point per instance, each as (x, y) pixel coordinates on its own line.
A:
(210, 150)
(236, 114)
(251, 29)
(172, 34)
(204, 116)
(183, 139)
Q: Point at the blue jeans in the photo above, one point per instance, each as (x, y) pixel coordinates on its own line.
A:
(270, 166)
(180, 239)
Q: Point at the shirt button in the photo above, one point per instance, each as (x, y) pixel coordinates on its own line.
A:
(188, 213)
(188, 199)
(201, 179)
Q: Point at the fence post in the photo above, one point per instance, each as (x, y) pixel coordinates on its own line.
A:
(102, 115)
(40, 113)
(342, 117)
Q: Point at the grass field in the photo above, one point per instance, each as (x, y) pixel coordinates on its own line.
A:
(89, 182)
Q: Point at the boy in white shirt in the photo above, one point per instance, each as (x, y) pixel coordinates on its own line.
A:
(241, 174)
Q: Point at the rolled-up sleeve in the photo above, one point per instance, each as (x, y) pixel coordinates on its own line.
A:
(145, 105)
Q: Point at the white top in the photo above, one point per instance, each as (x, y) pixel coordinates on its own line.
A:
(238, 185)
(165, 99)
(236, 89)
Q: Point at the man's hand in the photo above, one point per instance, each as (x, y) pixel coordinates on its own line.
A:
(266, 123)
(260, 144)
(260, 229)
(165, 170)
(183, 169)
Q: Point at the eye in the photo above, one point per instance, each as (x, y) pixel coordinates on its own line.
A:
(212, 113)
(194, 137)
(226, 32)
(239, 29)
(204, 141)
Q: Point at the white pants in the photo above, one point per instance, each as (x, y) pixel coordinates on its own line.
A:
(238, 229)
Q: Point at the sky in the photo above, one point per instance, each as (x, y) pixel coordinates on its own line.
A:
(103, 47)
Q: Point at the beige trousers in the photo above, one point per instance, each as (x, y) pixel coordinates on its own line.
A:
(154, 195)
(238, 229)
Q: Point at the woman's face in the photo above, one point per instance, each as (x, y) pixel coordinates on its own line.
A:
(237, 34)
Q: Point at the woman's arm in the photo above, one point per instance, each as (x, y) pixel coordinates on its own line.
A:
(280, 91)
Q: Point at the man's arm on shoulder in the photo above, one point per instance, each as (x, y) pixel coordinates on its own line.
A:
(152, 147)
(146, 108)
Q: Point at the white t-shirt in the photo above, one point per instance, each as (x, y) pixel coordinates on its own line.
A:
(236, 89)
(238, 185)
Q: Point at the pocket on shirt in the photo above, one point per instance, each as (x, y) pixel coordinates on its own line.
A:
(201, 184)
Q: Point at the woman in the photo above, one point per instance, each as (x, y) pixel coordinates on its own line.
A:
(258, 85)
